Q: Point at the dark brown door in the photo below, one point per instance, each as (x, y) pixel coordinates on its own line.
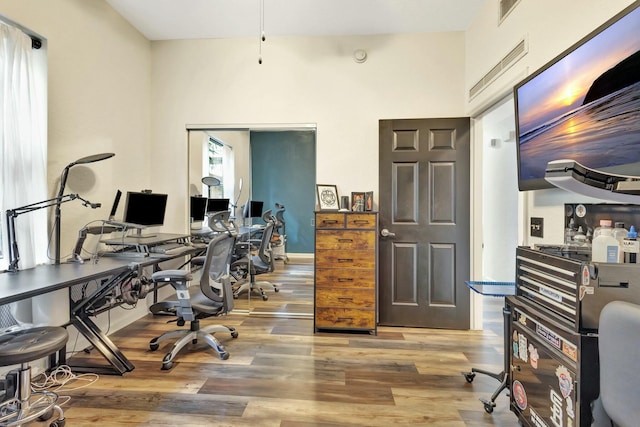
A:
(424, 213)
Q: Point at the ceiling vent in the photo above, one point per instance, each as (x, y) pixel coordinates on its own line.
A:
(510, 58)
(506, 6)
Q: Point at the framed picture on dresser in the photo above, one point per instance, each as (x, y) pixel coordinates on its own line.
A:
(328, 197)
(368, 201)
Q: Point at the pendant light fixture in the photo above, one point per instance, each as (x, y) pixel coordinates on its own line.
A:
(262, 36)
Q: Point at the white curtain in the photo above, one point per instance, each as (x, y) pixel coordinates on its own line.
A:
(23, 144)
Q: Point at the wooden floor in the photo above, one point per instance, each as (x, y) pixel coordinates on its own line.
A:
(282, 374)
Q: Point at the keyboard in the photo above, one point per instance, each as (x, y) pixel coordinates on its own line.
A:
(168, 248)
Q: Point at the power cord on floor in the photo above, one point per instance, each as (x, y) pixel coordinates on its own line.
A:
(62, 379)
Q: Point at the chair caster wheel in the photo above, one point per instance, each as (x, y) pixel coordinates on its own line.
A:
(276, 289)
(167, 363)
(153, 347)
(58, 423)
(265, 297)
(235, 296)
(488, 408)
(224, 355)
(180, 322)
(234, 334)
(469, 376)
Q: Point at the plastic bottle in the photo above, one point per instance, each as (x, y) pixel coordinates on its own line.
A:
(569, 232)
(631, 246)
(605, 247)
(604, 223)
(619, 232)
(580, 238)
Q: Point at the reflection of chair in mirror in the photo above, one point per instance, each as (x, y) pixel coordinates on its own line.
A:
(214, 297)
(247, 266)
(279, 240)
(618, 342)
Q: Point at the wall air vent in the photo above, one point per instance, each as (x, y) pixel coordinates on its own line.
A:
(505, 63)
(506, 6)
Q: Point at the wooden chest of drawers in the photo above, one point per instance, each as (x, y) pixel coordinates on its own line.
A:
(346, 274)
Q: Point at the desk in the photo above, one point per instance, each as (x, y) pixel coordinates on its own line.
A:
(112, 272)
(142, 244)
(495, 289)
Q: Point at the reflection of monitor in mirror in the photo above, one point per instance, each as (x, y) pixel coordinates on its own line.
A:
(198, 208)
(145, 209)
(252, 209)
(217, 205)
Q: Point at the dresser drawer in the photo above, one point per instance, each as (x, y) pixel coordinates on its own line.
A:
(330, 220)
(345, 318)
(347, 298)
(361, 221)
(342, 278)
(342, 239)
(334, 258)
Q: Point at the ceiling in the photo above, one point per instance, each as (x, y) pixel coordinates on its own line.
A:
(191, 19)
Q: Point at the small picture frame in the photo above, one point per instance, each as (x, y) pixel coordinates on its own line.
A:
(368, 201)
(357, 202)
(328, 197)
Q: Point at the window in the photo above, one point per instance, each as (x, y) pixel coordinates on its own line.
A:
(23, 142)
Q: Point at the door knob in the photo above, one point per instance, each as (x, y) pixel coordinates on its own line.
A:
(386, 233)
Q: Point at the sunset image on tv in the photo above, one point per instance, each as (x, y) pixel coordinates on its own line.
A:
(586, 106)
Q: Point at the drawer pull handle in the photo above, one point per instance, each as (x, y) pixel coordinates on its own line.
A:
(360, 221)
(345, 299)
(344, 319)
(329, 221)
(345, 240)
(345, 279)
(345, 259)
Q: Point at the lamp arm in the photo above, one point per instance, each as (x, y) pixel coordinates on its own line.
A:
(14, 253)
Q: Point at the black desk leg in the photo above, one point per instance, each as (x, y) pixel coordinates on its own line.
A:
(119, 363)
(503, 376)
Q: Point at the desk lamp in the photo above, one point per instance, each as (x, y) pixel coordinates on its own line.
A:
(210, 181)
(63, 183)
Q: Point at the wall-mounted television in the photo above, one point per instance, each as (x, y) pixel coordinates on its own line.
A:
(584, 105)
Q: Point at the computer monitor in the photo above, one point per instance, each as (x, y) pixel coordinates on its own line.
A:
(198, 208)
(145, 209)
(217, 205)
(114, 206)
(252, 209)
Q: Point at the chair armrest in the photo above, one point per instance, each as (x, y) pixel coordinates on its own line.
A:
(171, 276)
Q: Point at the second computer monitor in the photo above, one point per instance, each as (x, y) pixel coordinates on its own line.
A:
(145, 208)
(198, 208)
(252, 209)
(217, 205)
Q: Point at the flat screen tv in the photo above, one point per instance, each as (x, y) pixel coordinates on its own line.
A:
(584, 105)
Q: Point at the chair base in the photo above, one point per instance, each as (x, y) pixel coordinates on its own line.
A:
(255, 287)
(191, 336)
(25, 407)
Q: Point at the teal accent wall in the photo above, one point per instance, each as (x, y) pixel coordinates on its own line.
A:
(283, 170)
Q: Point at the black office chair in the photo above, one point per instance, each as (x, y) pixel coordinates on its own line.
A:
(247, 265)
(618, 343)
(213, 297)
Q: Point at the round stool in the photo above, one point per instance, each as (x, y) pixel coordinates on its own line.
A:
(19, 405)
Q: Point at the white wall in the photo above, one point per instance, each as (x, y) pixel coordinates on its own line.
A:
(99, 101)
(305, 80)
(550, 27)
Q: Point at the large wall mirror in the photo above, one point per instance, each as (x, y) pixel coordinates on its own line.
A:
(270, 164)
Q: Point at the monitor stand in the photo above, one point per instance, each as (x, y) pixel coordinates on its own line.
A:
(139, 235)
